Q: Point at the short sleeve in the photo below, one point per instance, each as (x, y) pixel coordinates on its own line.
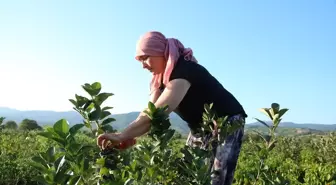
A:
(184, 70)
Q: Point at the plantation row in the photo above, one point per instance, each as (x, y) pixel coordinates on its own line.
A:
(309, 159)
(64, 155)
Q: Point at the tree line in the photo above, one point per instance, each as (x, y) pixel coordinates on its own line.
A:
(26, 124)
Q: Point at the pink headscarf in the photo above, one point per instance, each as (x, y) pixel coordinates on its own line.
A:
(156, 44)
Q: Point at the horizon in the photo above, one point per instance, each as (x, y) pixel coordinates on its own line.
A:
(262, 52)
(251, 122)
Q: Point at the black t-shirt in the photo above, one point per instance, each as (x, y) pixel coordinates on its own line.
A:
(204, 89)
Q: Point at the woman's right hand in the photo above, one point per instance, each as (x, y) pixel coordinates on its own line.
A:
(108, 140)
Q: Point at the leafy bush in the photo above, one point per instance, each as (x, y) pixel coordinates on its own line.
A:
(1, 123)
(64, 154)
(28, 124)
(11, 125)
(16, 149)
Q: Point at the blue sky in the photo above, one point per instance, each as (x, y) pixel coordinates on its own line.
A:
(261, 51)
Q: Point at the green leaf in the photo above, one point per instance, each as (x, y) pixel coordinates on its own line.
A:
(48, 135)
(61, 177)
(275, 107)
(108, 120)
(61, 127)
(87, 124)
(39, 159)
(264, 123)
(104, 171)
(75, 180)
(96, 86)
(107, 108)
(272, 113)
(276, 120)
(2, 119)
(59, 163)
(271, 145)
(50, 154)
(282, 112)
(40, 179)
(107, 128)
(81, 100)
(85, 164)
(266, 111)
(59, 140)
(38, 166)
(207, 108)
(95, 115)
(260, 135)
(156, 149)
(100, 161)
(151, 106)
(73, 147)
(74, 129)
(88, 106)
(61, 169)
(92, 89)
(51, 130)
(125, 174)
(73, 102)
(85, 148)
(102, 97)
(167, 155)
(168, 135)
(129, 181)
(148, 113)
(100, 131)
(52, 136)
(104, 114)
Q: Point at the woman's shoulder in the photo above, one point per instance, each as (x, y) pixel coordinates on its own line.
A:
(182, 63)
(188, 70)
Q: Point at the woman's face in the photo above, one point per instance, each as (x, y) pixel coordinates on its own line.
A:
(155, 64)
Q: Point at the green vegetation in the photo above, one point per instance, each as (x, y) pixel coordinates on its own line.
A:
(65, 154)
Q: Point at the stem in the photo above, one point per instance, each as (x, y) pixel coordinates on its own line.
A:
(259, 169)
(164, 173)
(98, 127)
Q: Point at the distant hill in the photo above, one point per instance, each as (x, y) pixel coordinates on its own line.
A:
(122, 120)
(321, 127)
(50, 117)
(42, 117)
(286, 130)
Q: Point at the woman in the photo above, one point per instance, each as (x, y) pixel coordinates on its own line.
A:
(185, 86)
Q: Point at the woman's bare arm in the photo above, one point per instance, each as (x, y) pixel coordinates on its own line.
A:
(155, 96)
(171, 96)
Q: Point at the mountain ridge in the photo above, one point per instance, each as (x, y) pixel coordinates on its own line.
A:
(48, 117)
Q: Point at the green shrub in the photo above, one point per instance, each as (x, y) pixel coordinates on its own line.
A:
(64, 154)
